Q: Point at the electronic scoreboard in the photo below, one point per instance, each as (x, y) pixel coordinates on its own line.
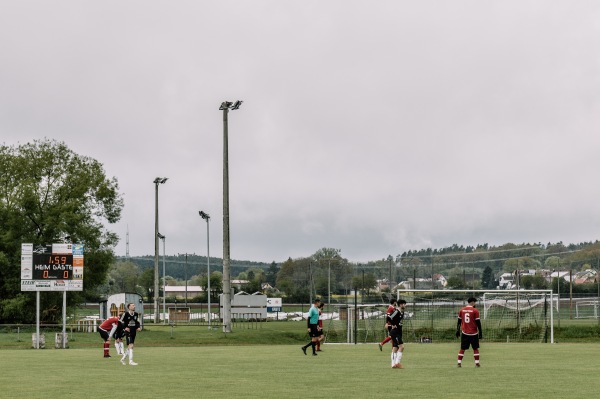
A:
(54, 267)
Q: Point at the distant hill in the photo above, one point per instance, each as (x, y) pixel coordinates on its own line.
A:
(175, 266)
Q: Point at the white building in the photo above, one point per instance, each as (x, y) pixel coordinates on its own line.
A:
(506, 282)
(179, 291)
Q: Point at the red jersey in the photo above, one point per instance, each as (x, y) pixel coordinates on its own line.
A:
(320, 322)
(467, 316)
(388, 312)
(109, 323)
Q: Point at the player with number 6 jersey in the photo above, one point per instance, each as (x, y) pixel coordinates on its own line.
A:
(469, 330)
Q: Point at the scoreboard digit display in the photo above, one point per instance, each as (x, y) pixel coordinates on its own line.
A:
(50, 266)
(54, 267)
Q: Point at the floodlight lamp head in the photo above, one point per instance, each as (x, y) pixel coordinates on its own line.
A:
(204, 215)
(160, 236)
(229, 105)
(225, 105)
(160, 180)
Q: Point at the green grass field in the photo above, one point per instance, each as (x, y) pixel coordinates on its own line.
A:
(278, 371)
(265, 361)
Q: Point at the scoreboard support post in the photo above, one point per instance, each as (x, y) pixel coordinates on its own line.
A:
(64, 329)
(37, 319)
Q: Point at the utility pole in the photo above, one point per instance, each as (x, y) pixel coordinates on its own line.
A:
(157, 181)
(225, 107)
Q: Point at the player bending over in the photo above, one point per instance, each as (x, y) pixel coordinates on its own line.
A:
(107, 329)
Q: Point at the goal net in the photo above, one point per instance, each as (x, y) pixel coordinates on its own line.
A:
(506, 315)
(586, 309)
(349, 324)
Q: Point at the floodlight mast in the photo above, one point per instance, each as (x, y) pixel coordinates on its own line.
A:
(206, 217)
(164, 239)
(225, 107)
(157, 181)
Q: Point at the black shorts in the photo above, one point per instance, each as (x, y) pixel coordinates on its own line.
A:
(314, 330)
(130, 336)
(103, 333)
(469, 340)
(118, 333)
(396, 335)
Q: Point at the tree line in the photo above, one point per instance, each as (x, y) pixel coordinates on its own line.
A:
(50, 194)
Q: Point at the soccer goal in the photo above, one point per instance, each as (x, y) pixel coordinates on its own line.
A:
(355, 324)
(586, 309)
(506, 315)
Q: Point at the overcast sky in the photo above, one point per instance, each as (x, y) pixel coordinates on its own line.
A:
(373, 127)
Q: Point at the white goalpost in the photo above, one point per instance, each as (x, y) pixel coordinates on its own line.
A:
(586, 309)
(506, 315)
(355, 324)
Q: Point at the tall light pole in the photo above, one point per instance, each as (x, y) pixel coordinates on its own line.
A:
(390, 259)
(335, 258)
(157, 181)
(185, 276)
(186, 279)
(225, 107)
(206, 217)
(558, 292)
(164, 239)
(329, 285)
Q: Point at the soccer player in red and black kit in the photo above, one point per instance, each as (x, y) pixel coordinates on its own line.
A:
(107, 329)
(395, 320)
(388, 312)
(469, 330)
(131, 325)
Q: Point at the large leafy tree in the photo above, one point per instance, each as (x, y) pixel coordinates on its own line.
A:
(294, 279)
(146, 281)
(525, 263)
(124, 276)
(456, 283)
(271, 274)
(487, 280)
(255, 277)
(298, 279)
(216, 282)
(331, 270)
(49, 194)
(533, 282)
(364, 282)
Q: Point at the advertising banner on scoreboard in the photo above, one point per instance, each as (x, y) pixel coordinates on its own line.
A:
(274, 305)
(52, 267)
(26, 262)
